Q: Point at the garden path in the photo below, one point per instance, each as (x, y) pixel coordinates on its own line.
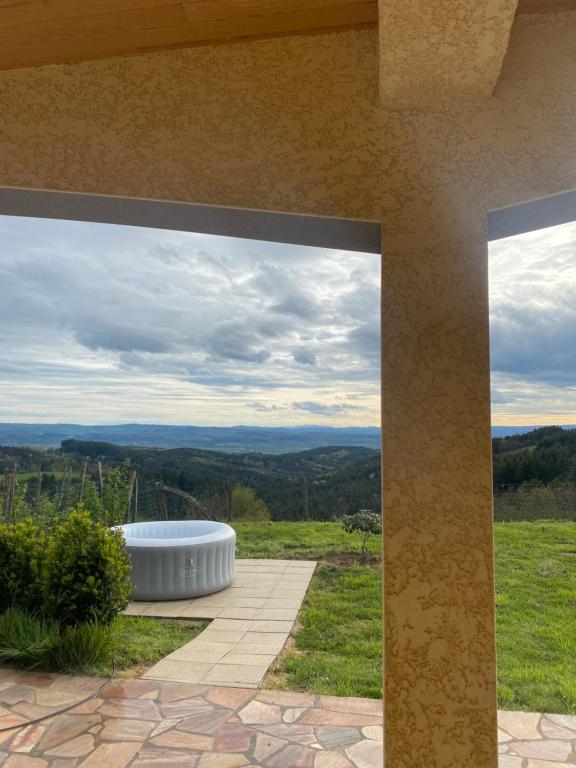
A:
(252, 620)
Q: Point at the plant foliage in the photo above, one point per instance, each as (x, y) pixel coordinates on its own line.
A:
(87, 571)
(22, 555)
(366, 523)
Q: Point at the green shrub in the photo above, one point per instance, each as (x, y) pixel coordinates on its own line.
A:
(87, 572)
(22, 554)
(246, 505)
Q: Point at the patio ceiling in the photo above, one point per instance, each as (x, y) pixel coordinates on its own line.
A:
(36, 32)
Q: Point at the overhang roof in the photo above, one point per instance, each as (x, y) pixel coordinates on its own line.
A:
(36, 32)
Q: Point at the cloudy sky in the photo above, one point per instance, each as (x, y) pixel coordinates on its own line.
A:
(533, 327)
(110, 324)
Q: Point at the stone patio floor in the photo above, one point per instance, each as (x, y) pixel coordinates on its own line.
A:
(252, 620)
(151, 724)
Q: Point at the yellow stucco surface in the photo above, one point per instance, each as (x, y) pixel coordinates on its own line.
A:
(435, 53)
(296, 125)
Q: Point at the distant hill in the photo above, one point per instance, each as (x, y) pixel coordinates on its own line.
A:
(335, 478)
(511, 430)
(240, 439)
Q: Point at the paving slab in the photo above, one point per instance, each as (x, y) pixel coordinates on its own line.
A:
(204, 726)
(250, 623)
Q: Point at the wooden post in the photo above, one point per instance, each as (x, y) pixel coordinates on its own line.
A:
(161, 502)
(83, 480)
(230, 499)
(191, 500)
(131, 482)
(305, 500)
(101, 480)
(8, 494)
(62, 484)
(38, 491)
(135, 504)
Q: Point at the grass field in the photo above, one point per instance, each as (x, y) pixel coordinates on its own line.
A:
(337, 647)
(138, 642)
(536, 616)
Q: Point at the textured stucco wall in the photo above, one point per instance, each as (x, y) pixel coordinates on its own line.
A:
(296, 125)
(455, 48)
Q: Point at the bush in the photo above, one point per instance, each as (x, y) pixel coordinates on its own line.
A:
(366, 523)
(87, 572)
(22, 555)
(247, 506)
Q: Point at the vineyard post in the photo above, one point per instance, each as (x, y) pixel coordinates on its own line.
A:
(9, 477)
(135, 505)
(83, 479)
(131, 482)
(101, 480)
(161, 501)
(305, 500)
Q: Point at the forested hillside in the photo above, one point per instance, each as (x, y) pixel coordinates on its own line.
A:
(543, 455)
(337, 479)
(317, 484)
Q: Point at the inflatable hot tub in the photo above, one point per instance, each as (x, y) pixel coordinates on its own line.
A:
(178, 559)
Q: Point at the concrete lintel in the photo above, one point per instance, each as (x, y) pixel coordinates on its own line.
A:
(294, 229)
(441, 53)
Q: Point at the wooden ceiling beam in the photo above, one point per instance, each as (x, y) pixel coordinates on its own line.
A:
(36, 32)
(546, 6)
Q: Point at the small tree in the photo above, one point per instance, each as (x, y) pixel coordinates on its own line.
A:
(247, 506)
(366, 523)
(115, 498)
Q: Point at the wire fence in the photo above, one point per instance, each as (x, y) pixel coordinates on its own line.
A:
(49, 496)
(535, 501)
(113, 496)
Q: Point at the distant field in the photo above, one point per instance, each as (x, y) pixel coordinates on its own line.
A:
(337, 648)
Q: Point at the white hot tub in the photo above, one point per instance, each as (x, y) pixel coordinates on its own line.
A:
(178, 559)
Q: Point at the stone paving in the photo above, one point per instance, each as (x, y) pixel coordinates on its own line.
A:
(532, 740)
(252, 620)
(153, 724)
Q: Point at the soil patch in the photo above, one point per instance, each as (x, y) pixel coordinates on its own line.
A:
(352, 558)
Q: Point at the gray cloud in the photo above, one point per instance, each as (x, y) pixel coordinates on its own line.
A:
(533, 326)
(305, 357)
(324, 409)
(101, 304)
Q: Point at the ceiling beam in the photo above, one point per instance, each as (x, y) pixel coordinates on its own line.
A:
(436, 53)
(36, 32)
(546, 6)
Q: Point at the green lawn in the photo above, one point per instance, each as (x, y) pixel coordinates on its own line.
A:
(138, 642)
(337, 648)
(536, 615)
(301, 541)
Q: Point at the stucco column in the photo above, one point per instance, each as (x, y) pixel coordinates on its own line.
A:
(440, 703)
